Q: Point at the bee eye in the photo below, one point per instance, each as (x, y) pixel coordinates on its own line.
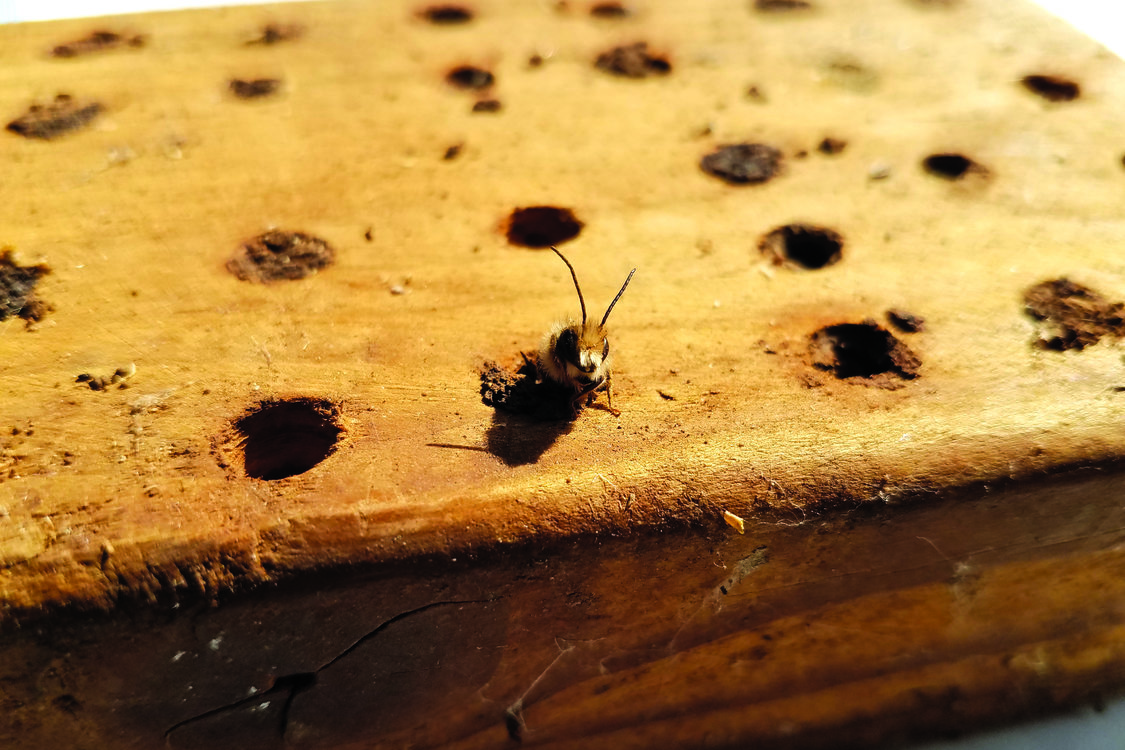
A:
(605, 348)
(567, 345)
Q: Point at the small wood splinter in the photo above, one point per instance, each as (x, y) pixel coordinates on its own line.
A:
(576, 354)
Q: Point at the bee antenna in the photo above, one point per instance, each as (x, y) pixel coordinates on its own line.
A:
(574, 276)
(611, 304)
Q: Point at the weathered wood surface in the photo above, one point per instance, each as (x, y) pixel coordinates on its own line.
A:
(141, 495)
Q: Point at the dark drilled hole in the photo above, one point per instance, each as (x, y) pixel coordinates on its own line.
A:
(861, 350)
(831, 146)
(951, 166)
(447, 14)
(743, 163)
(487, 105)
(633, 61)
(285, 438)
(276, 33)
(279, 255)
(542, 226)
(97, 41)
(781, 6)
(803, 245)
(254, 88)
(610, 10)
(47, 121)
(17, 289)
(470, 77)
(1052, 88)
(1073, 316)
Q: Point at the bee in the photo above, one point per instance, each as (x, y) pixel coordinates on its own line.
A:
(576, 355)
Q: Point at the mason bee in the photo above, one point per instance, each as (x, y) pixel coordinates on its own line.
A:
(576, 355)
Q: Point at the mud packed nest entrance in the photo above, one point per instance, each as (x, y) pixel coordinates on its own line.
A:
(1072, 316)
(17, 289)
(863, 352)
(520, 391)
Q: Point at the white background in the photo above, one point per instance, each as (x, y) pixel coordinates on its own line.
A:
(1104, 20)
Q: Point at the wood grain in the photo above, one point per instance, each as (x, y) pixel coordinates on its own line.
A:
(142, 492)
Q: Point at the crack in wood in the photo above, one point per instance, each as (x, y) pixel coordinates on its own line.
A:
(292, 685)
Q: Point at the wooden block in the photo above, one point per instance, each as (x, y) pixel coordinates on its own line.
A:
(275, 250)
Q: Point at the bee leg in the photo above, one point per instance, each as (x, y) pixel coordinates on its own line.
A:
(574, 403)
(609, 397)
(589, 393)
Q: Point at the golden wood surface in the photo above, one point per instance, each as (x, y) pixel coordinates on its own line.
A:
(142, 494)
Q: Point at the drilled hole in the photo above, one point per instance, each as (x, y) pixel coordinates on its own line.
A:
(470, 77)
(861, 350)
(1052, 88)
(831, 146)
(487, 105)
(278, 255)
(282, 439)
(97, 41)
(610, 10)
(743, 163)
(17, 290)
(781, 6)
(255, 88)
(633, 61)
(447, 15)
(951, 166)
(542, 226)
(47, 121)
(276, 33)
(803, 246)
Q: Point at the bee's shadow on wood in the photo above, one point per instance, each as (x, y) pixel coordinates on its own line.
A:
(530, 414)
(518, 442)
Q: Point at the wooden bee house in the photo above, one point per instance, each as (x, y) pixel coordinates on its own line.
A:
(275, 472)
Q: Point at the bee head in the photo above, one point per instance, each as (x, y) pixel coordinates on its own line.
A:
(585, 348)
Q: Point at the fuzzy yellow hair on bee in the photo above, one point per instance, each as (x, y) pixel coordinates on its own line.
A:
(576, 354)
